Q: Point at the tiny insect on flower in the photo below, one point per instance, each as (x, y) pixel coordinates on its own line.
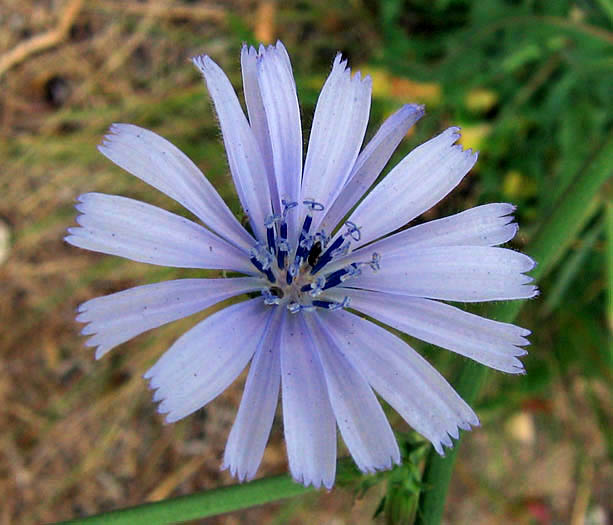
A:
(320, 256)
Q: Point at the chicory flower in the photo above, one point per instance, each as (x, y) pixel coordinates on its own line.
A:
(318, 256)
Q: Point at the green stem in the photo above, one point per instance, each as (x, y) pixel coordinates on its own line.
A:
(216, 501)
(547, 247)
(202, 504)
(609, 270)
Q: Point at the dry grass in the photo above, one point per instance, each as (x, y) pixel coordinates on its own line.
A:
(79, 436)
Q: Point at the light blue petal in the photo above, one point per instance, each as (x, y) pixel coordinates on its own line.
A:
(204, 361)
(402, 377)
(337, 133)
(489, 342)
(278, 90)
(156, 161)
(417, 183)
(308, 420)
(371, 161)
(132, 229)
(117, 318)
(359, 415)
(487, 225)
(452, 273)
(251, 428)
(257, 116)
(244, 155)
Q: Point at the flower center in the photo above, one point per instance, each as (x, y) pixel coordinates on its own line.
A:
(303, 272)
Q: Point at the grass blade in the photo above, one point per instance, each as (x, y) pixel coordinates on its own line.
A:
(547, 248)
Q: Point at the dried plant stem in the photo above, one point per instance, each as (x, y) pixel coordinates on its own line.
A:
(42, 42)
(161, 10)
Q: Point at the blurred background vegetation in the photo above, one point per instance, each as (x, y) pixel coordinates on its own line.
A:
(531, 84)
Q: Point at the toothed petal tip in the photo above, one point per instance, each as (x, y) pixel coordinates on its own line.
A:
(446, 441)
(201, 61)
(531, 263)
(464, 425)
(518, 368)
(439, 449)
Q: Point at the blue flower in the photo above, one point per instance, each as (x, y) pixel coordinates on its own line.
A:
(314, 271)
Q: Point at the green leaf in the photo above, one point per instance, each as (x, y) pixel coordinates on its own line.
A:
(571, 268)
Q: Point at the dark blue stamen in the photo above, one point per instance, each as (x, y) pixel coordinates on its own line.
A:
(281, 256)
(335, 278)
(305, 242)
(283, 228)
(308, 220)
(270, 222)
(282, 246)
(267, 272)
(327, 256)
(270, 236)
(338, 276)
(338, 248)
(323, 304)
(256, 263)
(304, 246)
